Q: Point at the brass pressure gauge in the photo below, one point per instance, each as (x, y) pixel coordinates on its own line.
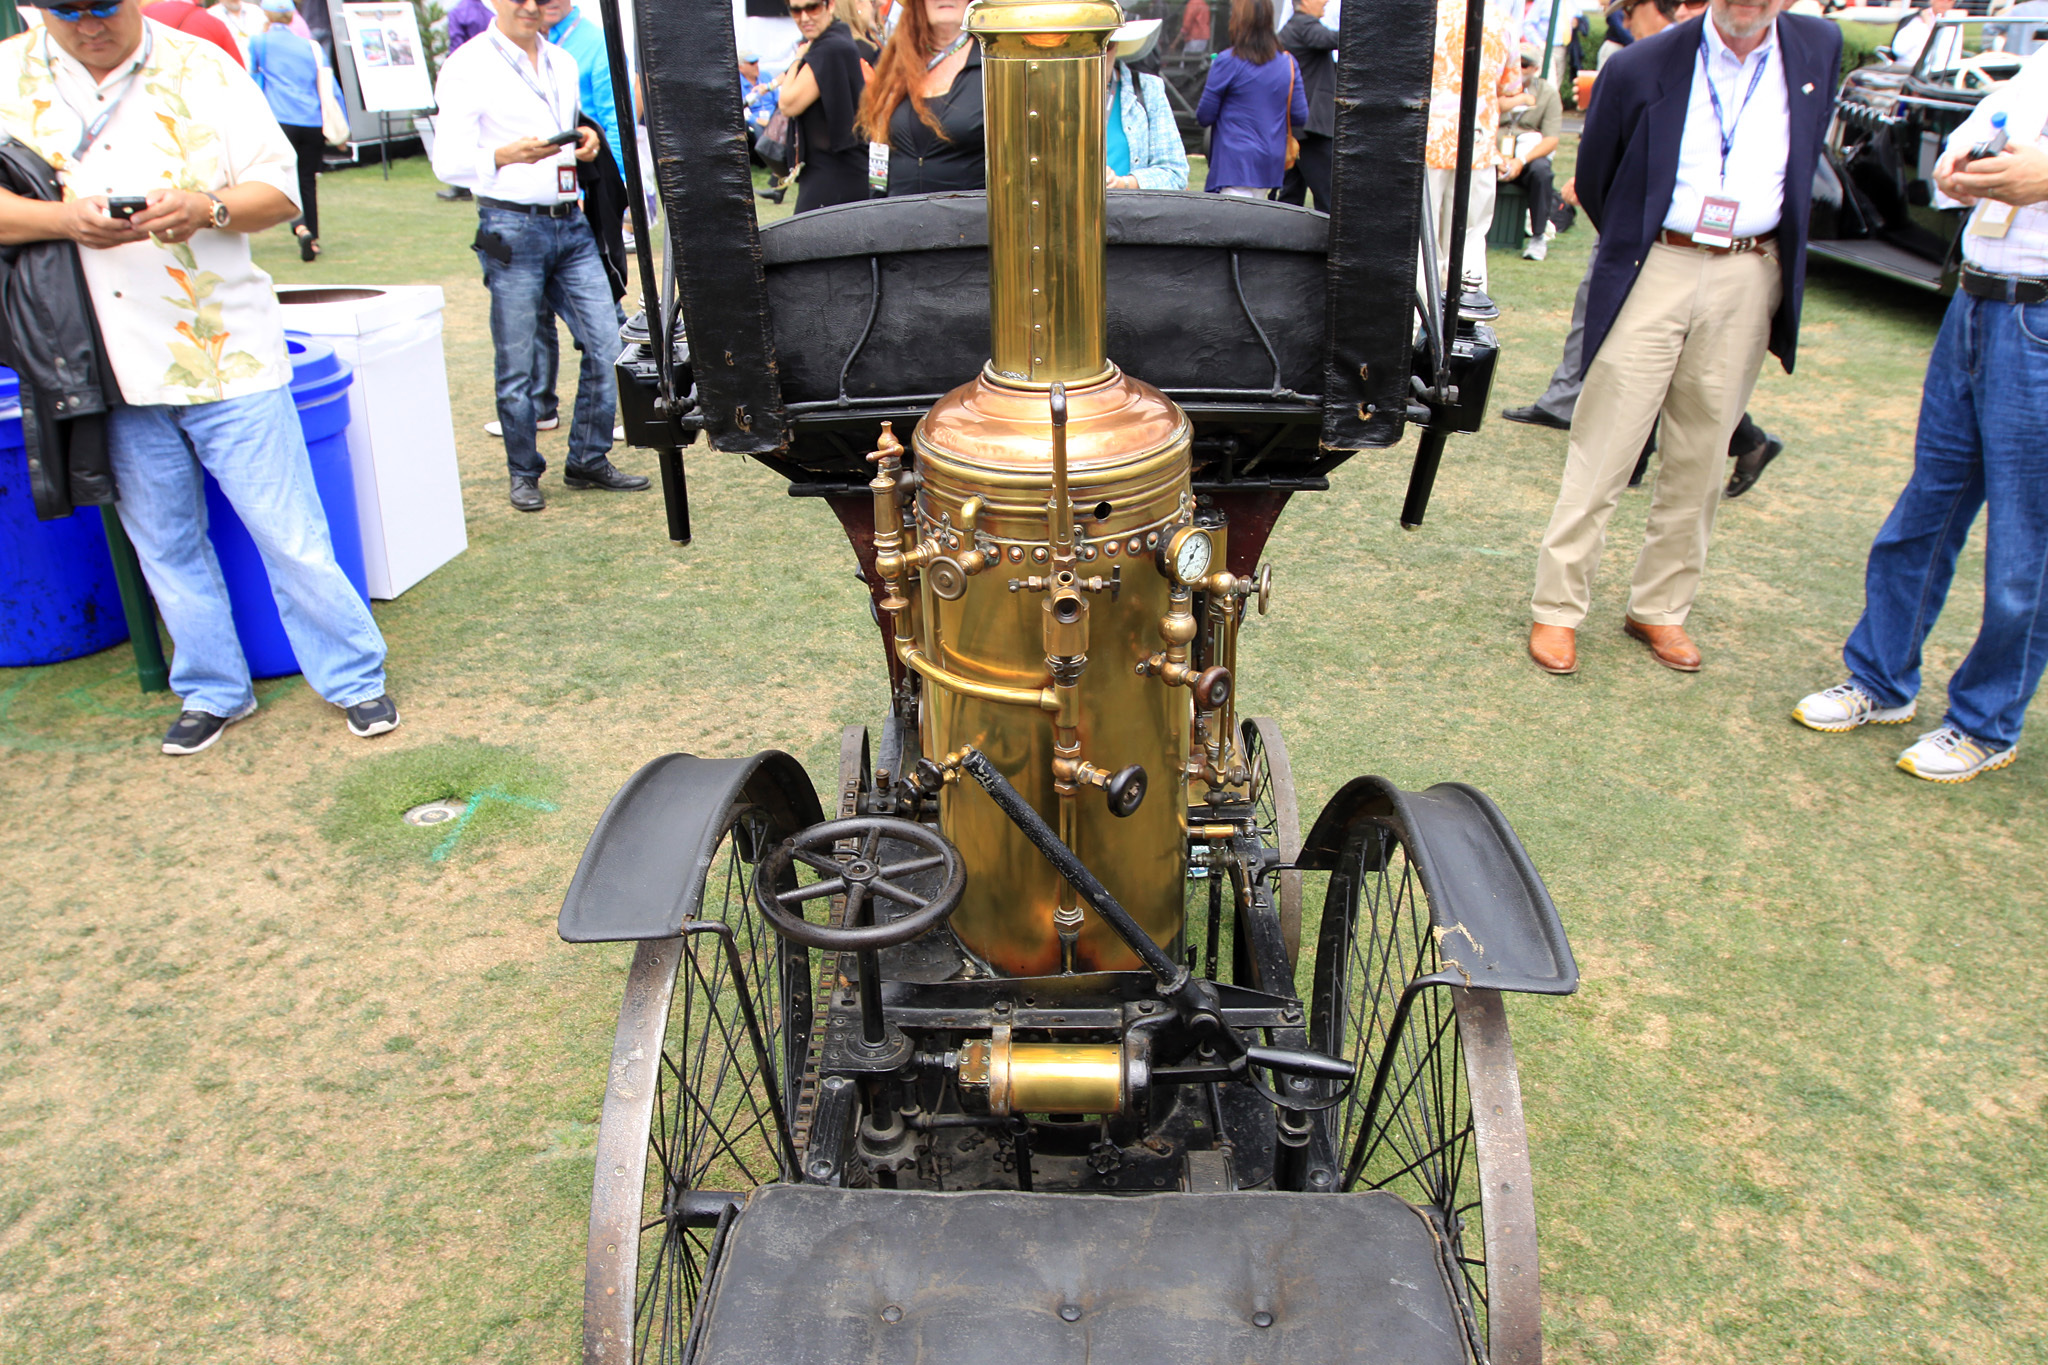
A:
(1187, 554)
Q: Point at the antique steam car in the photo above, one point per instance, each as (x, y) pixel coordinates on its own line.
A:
(1873, 193)
(1017, 1044)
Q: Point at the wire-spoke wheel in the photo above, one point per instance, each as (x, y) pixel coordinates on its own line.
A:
(1279, 816)
(713, 1035)
(1435, 1115)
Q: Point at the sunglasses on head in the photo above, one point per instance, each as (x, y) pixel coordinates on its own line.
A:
(72, 15)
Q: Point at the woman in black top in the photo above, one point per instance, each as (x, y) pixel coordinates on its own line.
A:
(925, 101)
(822, 93)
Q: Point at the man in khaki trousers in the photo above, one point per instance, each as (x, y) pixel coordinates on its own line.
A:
(1697, 167)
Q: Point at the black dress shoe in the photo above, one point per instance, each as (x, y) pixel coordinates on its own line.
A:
(1749, 466)
(1535, 417)
(526, 494)
(606, 475)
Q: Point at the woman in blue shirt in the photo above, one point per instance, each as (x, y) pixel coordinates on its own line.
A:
(1251, 100)
(289, 70)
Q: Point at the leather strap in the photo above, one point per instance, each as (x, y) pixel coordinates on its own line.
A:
(1741, 244)
(566, 209)
(1982, 284)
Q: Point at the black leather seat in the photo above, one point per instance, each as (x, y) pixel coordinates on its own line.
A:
(808, 1274)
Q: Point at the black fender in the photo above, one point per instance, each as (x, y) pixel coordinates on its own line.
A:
(642, 872)
(1495, 922)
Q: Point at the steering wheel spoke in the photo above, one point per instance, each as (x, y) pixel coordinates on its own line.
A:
(864, 878)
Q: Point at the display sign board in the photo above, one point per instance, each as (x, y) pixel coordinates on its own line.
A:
(390, 59)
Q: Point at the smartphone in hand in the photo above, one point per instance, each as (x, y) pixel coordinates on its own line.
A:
(562, 139)
(126, 206)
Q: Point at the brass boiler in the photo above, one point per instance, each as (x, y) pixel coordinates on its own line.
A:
(1025, 583)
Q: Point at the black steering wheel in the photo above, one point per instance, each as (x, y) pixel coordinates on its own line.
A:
(862, 877)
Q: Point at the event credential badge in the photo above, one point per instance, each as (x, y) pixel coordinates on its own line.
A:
(565, 181)
(1717, 223)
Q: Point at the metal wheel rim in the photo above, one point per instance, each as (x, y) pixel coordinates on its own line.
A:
(1279, 815)
(1449, 1136)
(688, 1106)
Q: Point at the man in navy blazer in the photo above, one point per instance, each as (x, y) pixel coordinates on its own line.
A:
(1697, 167)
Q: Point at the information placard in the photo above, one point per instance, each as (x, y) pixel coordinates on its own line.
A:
(391, 61)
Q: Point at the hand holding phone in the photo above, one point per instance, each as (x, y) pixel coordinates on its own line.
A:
(562, 139)
(126, 206)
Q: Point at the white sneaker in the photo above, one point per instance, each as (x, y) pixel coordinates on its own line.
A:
(1846, 706)
(1537, 249)
(544, 424)
(1949, 755)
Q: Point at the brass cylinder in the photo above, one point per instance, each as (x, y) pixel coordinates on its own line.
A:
(1045, 1078)
(1128, 462)
(989, 481)
(1043, 85)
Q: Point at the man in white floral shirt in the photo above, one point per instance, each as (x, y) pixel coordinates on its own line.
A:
(125, 108)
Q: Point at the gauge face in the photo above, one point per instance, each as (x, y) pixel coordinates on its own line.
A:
(1191, 553)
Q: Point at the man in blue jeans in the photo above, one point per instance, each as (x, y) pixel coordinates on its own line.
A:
(1983, 440)
(193, 333)
(505, 96)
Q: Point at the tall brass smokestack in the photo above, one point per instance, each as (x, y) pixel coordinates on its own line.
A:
(1043, 86)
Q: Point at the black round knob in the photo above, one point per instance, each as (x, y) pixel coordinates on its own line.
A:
(1126, 791)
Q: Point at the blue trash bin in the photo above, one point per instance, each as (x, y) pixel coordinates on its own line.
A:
(58, 595)
(320, 381)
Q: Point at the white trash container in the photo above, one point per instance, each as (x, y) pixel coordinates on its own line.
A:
(401, 435)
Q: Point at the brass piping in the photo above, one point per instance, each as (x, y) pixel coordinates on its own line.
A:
(1043, 698)
(1066, 655)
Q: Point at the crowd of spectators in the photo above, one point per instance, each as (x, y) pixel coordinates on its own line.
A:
(1697, 273)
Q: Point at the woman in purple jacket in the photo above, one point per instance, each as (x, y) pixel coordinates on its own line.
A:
(1251, 100)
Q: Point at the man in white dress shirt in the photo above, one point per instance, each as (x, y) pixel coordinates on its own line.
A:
(120, 106)
(504, 96)
(1982, 444)
(1696, 166)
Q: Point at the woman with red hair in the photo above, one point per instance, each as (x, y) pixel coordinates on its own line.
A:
(925, 102)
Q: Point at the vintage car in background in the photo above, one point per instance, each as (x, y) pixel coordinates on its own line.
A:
(1873, 195)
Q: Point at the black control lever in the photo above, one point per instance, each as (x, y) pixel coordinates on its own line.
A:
(1195, 1000)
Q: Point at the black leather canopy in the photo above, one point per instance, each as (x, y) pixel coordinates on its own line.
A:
(1353, 358)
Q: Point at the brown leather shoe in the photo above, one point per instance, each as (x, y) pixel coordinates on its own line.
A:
(1554, 648)
(1670, 645)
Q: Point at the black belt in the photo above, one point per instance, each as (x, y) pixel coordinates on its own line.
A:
(567, 209)
(1983, 284)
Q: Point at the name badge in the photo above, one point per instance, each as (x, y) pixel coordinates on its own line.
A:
(1992, 219)
(878, 167)
(1717, 222)
(565, 181)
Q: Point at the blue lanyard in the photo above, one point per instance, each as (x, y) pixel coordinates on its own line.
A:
(94, 127)
(1721, 125)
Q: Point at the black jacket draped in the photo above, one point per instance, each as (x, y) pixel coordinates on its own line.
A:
(50, 336)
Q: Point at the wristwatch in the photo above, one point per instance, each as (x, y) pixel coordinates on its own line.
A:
(220, 210)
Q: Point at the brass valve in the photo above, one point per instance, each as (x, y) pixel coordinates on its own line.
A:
(1211, 686)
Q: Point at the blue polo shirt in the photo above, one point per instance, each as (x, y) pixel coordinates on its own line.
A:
(584, 41)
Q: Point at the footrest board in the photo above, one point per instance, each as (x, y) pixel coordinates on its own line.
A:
(809, 1275)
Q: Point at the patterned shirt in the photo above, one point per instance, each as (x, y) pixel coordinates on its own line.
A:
(1442, 147)
(194, 322)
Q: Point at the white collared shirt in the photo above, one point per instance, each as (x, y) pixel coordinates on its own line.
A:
(490, 95)
(1762, 132)
(2023, 250)
(194, 322)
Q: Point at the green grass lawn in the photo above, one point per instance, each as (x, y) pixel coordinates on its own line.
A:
(277, 1084)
